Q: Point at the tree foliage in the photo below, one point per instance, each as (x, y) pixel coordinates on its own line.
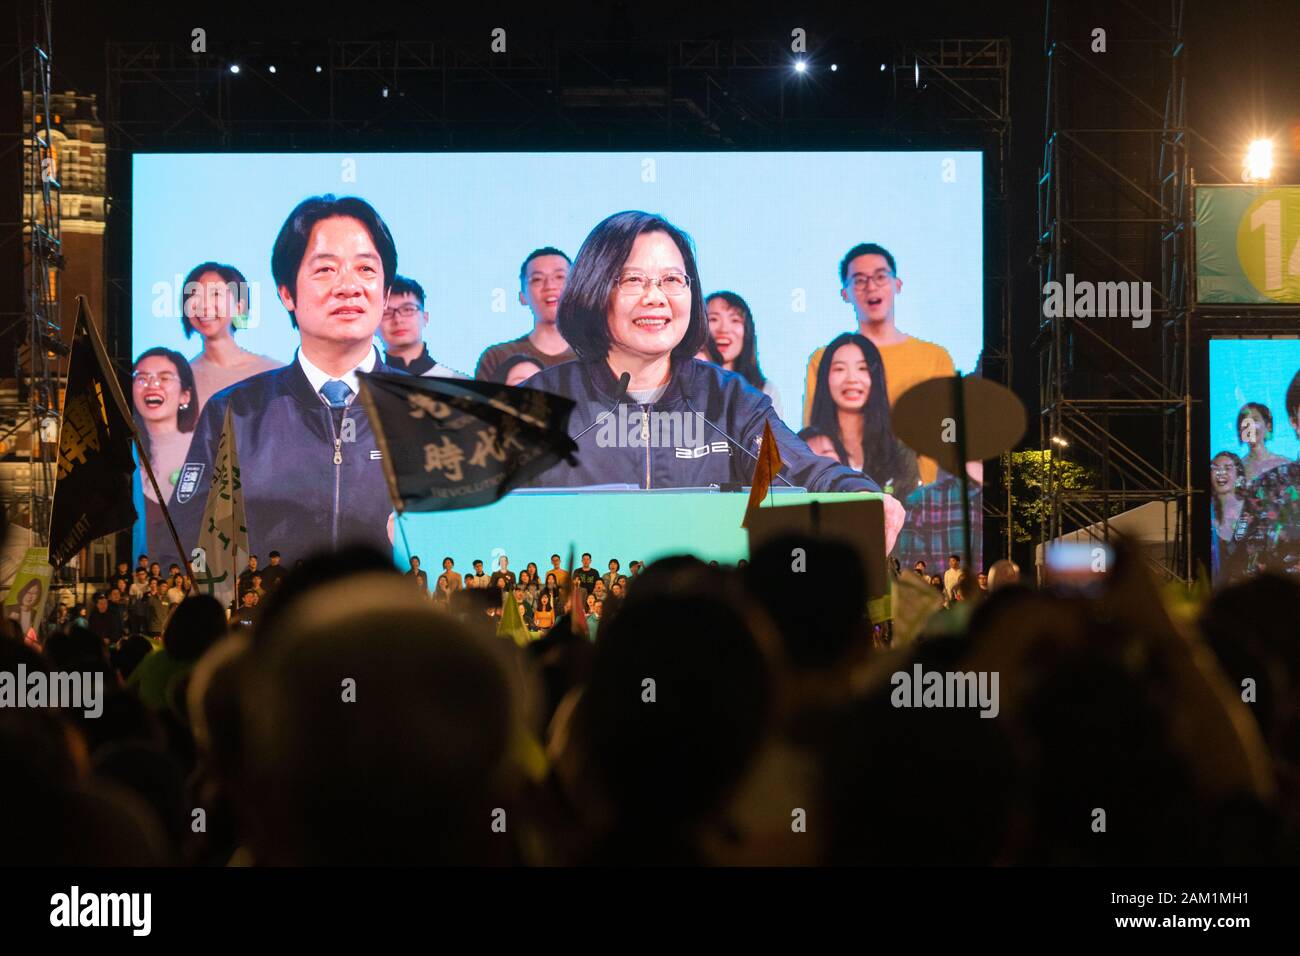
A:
(1028, 476)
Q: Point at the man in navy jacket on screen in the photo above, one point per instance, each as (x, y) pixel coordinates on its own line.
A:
(310, 467)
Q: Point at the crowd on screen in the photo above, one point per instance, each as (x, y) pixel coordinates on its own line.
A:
(695, 713)
(543, 597)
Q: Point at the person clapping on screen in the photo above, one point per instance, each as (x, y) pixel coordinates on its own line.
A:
(632, 307)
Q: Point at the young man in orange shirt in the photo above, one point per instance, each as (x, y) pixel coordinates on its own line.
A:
(869, 282)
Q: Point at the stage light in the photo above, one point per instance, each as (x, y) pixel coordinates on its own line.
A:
(1258, 167)
(882, 68)
(272, 67)
(800, 66)
(318, 68)
(916, 74)
(385, 92)
(834, 67)
(234, 68)
(1060, 442)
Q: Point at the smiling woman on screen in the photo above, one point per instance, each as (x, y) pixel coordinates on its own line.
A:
(633, 310)
(162, 396)
(851, 406)
(214, 303)
(733, 342)
(162, 391)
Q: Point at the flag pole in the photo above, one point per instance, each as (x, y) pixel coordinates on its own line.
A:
(115, 389)
(577, 597)
(959, 410)
(390, 474)
(401, 527)
(171, 527)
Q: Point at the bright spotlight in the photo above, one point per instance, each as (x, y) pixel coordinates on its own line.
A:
(272, 67)
(234, 68)
(1258, 167)
(318, 69)
(1060, 442)
(834, 67)
(800, 66)
(385, 92)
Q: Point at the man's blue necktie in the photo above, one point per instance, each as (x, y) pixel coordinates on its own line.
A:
(336, 393)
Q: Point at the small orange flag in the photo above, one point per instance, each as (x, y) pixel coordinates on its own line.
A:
(768, 467)
(578, 611)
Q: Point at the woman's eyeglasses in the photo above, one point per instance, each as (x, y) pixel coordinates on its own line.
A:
(144, 379)
(636, 283)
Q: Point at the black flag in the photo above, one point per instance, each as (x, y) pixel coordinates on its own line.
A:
(456, 443)
(92, 490)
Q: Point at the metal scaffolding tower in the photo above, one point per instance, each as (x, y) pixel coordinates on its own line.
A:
(973, 77)
(35, 419)
(1113, 207)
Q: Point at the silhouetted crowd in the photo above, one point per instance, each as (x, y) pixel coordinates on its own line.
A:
(711, 715)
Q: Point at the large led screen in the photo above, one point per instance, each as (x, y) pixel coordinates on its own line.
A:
(244, 289)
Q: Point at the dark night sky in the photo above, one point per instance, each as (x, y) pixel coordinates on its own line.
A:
(1244, 71)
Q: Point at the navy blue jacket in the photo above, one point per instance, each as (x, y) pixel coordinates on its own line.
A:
(296, 499)
(677, 450)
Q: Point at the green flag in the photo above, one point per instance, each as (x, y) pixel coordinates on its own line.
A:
(915, 602)
(512, 622)
(223, 536)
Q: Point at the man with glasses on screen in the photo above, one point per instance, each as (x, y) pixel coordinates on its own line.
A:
(541, 281)
(402, 332)
(310, 466)
(869, 283)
